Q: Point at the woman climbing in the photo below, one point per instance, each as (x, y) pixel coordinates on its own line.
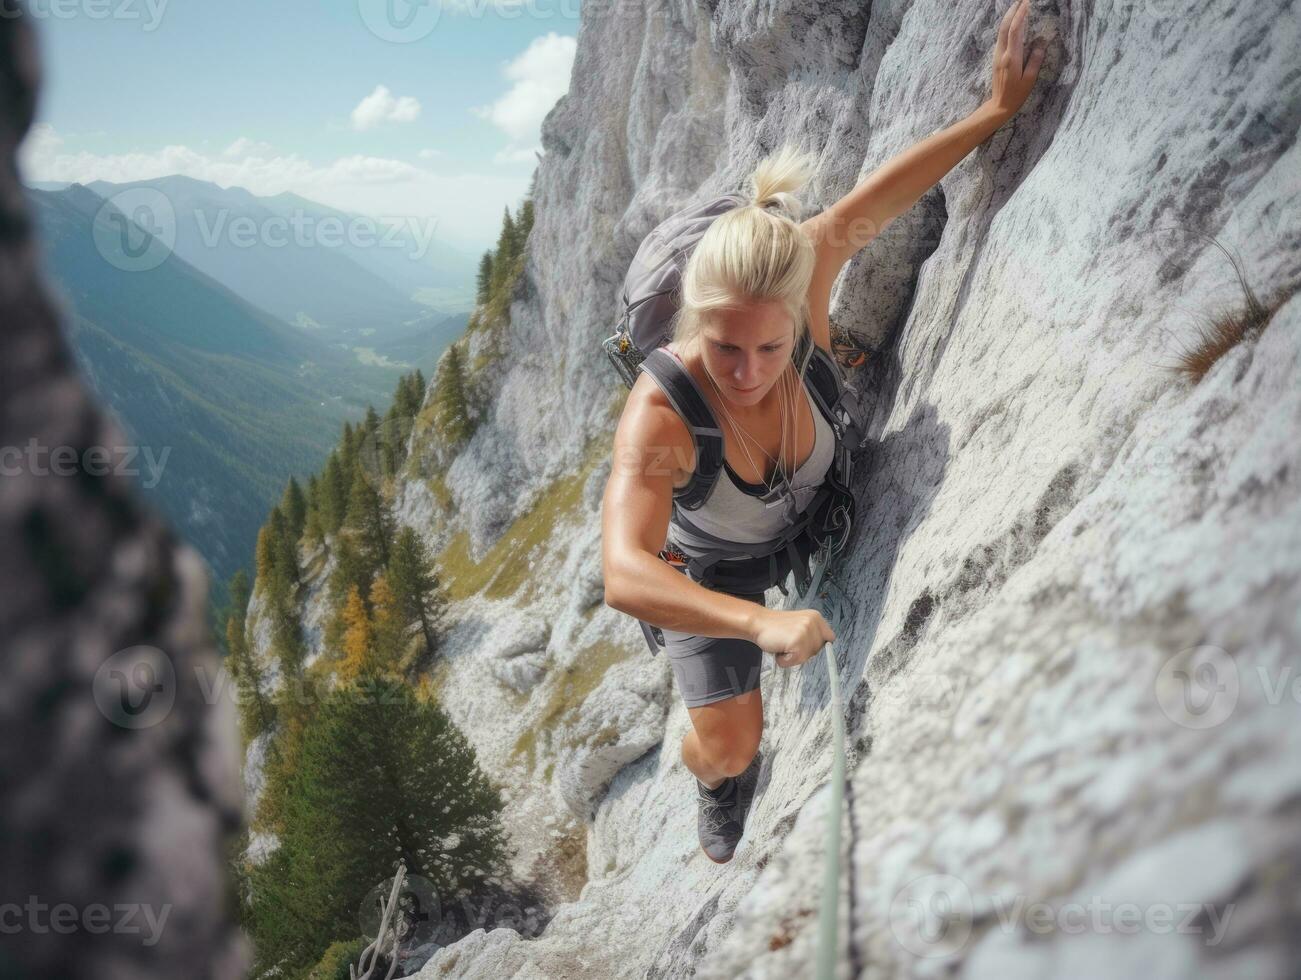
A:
(757, 282)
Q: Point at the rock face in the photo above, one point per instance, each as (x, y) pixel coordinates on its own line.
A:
(119, 802)
(1070, 669)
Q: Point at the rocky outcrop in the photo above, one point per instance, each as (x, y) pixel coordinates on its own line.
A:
(1070, 665)
(120, 768)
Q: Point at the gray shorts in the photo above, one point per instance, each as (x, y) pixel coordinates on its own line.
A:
(711, 668)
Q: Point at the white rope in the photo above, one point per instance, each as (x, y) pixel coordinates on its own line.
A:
(829, 905)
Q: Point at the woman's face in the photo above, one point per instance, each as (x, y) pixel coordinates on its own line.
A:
(747, 350)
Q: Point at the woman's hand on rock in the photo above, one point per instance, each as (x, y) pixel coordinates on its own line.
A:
(1014, 75)
(792, 635)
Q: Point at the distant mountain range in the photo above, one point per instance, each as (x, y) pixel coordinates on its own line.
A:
(229, 399)
(310, 265)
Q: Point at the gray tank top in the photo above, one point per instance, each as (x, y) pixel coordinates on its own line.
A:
(736, 510)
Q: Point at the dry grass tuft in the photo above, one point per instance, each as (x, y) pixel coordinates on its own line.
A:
(1223, 330)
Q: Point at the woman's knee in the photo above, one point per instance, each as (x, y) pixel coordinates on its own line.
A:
(730, 752)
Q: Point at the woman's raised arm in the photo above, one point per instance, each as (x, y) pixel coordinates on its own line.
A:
(846, 226)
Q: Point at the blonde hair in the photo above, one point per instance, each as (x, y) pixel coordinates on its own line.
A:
(754, 253)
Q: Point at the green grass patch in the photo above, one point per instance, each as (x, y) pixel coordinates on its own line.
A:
(565, 692)
(438, 487)
(505, 570)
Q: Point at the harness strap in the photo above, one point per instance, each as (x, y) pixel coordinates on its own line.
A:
(689, 402)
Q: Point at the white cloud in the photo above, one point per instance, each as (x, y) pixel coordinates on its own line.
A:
(382, 106)
(41, 143)
(429, 154)
(540, 76)
(244, 146)
(377, 186)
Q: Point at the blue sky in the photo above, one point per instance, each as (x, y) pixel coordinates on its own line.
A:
(375, 106)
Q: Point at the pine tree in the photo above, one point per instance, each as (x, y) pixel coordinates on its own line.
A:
(484, 280)
(238, 590)
(349, 569)
(349, 447)
(334, 494)
(451, 406)
(417, 597)
(409, 396)
(366, 792)
(292, 708)
(389, 631)
(507, 242)
(286, 628)
(313, 526)
(294, 506)
(392, 445)
(368, 516)
(256, 715)
(358, 644)
(264, 554)
(284, 545)
(525, 223)
(503, 260)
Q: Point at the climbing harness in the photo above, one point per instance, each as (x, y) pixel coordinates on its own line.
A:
(823, 590)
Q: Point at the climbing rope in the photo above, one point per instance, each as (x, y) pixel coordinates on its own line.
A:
(829, 907)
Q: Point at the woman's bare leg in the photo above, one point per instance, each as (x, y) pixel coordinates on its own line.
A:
(724, 737)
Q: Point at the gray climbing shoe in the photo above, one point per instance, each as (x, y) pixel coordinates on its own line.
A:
(745, 786)
(719, 820)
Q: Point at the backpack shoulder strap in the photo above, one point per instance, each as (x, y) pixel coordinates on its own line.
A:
(689, 402)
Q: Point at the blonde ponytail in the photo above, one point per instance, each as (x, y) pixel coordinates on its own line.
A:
(755, 253)
(777, 177)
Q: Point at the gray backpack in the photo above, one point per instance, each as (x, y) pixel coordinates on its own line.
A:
(648, 302)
